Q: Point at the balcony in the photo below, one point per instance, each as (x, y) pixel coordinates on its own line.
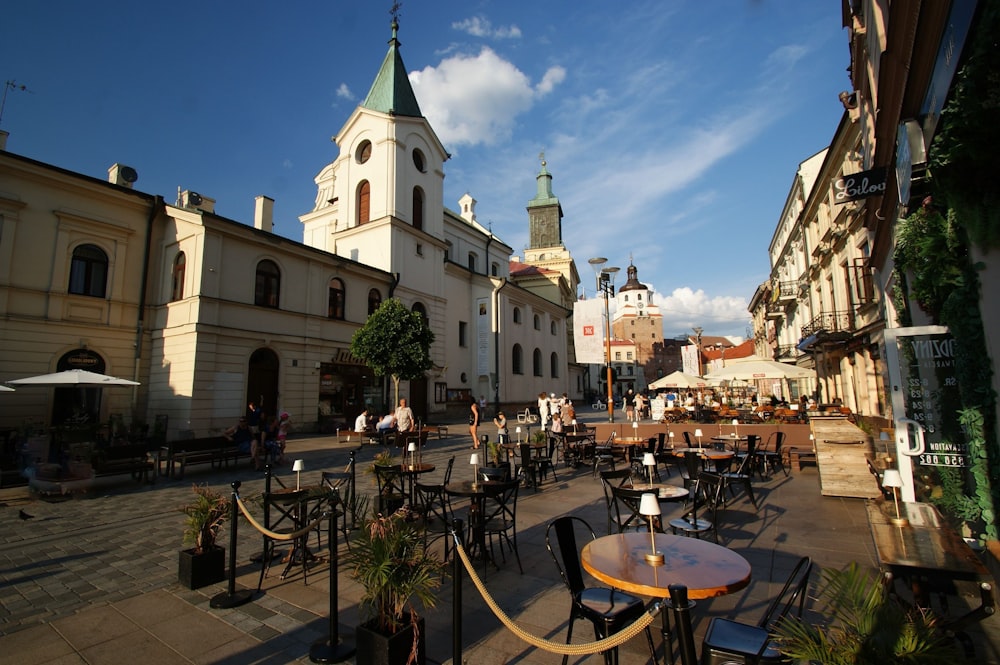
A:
(786, 291)
(774, 311)
(827, 327)
(786, 352)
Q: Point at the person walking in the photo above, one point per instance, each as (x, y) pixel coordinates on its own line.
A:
(543, 410)
(501, 422)
(404, 417)
(474, 421)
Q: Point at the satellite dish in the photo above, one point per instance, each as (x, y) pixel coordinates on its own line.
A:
(194, 198)
(128, 174)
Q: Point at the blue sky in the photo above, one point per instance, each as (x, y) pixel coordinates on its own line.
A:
(673, 130)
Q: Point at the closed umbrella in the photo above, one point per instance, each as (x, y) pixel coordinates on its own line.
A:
(73, 377)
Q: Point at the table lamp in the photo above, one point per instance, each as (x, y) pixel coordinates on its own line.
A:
(892, 478)
(518, 430)
(885, 438)
(635, 426)
(697, 435)
(736, 428)
(671, 436)
(650, 507)
(649, 461)
(474, 461)
(298, 467)
(412, 448)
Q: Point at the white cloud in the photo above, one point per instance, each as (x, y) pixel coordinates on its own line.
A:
(344, 92)
(476, 99)
(685, 308)
(480, 26)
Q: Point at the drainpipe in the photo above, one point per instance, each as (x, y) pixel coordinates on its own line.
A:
(496, 342)
(156, 206)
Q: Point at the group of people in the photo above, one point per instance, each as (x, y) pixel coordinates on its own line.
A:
(400, 420)
(260, 435)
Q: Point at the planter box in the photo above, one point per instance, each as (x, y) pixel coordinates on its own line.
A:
(374, 648)
(197, 570)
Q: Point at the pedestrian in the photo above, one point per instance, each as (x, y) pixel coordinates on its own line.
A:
(253, 418)
(501, 422)
(474, 421)
(404, 417)
(284, 427)
(543, 409)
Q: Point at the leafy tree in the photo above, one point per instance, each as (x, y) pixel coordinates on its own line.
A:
(395, 342)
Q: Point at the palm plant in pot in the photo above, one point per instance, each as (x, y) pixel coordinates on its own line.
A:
(390, 561)
(205, 563)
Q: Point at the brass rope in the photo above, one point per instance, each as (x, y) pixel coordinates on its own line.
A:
(604, 644)
(274, 535)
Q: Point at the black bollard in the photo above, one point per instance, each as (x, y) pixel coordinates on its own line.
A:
(332, 650)
(456, 578)
(268, 550)
(352, 495)
(682, 620)
(232, 597)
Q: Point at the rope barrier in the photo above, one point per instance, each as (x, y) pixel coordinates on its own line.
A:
(274, 535)
(588, 648)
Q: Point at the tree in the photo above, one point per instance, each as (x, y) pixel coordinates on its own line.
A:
(395, 342)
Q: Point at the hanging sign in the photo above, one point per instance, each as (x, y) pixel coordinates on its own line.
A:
(860, 185)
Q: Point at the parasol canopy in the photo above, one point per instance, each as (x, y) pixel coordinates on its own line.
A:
(760, 368)
(680, 380)
(73, 377)
(5, 389)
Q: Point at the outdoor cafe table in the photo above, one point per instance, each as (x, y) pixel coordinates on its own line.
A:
(411, 472)
(718, 458)
(706, 569)
(927, 552)
(476, 492)
(580, 442)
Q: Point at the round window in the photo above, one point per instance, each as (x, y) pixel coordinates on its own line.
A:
(418, 161)
(364, 152)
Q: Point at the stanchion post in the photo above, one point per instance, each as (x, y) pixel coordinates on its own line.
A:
(456, 578)
(682, 621)
(232, 598)
(352, 494)
(332, 650)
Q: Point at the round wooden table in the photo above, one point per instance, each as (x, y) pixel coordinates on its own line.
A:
(706, 569)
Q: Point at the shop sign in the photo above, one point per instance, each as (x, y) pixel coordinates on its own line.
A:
(860, 185)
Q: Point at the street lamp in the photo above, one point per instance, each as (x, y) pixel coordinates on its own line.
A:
(606, 285)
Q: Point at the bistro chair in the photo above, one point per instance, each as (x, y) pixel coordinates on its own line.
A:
(607, 609)
(885, 491)
(527, 469)
(435, 508)
(743, 473)
(770, 460)
(610, 480)
(495, 473)
(501, 517)
(708, 485)
(728, 641)
(605, 454)
(391, 492)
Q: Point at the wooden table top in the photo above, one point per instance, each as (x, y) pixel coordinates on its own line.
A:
(467, 488)
(413, 469)
(707, 453)
(706, 569)
(662, 490)
(926, 544)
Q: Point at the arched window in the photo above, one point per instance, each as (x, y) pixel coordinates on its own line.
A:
(335, 306)
(472, 262)
(267, 284)
(553, 328)
(517, 315)
(495, 269)
(626, 298)
(418, 161)
(88, 272)
(177, 278)
(516, 360)
(419, 308)
(536, 362)
(537, 322)
(554, 365)
(374, 300)
(364, 202)
(418, 208)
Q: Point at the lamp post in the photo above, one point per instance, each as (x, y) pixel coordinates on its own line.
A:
(606, 285)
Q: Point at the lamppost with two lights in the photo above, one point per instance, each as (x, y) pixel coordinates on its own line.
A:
(606, 285)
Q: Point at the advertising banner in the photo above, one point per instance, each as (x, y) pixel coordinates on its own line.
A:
(588, 331)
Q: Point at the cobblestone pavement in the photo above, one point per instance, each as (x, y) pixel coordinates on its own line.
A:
(92, 577)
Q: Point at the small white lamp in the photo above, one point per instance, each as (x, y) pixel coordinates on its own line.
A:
(474, 461)
(412, 448)
(635, 429)
(649, 461)
(893, 479)
(518, 430)
(884, 437)
(697, 435)
(298, 467)
(650, 507)
(736, 427)
(671, 435)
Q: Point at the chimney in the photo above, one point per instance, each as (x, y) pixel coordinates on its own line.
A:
(263, 213)
(119, 174)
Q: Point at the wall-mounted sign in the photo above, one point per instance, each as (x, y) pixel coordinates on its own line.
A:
(860, 185)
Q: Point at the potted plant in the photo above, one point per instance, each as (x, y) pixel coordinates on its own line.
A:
(864, 626)
(389, 560)
(495, 451)
(205, 563)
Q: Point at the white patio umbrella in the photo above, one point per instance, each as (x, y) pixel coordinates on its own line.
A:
(73, 377)
(680, 380)
(753, 369)
(5, 389)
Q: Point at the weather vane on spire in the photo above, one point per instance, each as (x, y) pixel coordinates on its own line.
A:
(395, 11)
(541, 156)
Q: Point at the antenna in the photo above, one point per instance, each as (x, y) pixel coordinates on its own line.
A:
(8, 86)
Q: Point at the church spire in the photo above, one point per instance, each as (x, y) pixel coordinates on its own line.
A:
(544, 212)
(391, 92)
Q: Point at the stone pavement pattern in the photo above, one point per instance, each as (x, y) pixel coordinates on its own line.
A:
(93, 578)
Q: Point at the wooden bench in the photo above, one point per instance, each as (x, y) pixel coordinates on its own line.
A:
(214, 450)
(136, 459)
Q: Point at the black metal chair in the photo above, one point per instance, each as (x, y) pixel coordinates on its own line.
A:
(435, 508)
(728, 641)
(709, 486)
(607, 609)
(604, 454)
(744, 472)
(609, 480)
(391, 492)
(527, 469)
(886, 492)
(771, 459)
(501, 517)
(496, 473)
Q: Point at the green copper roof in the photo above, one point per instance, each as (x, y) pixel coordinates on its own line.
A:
(544, 195)
(391, 92)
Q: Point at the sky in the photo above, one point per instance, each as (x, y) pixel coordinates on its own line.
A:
(672, 129)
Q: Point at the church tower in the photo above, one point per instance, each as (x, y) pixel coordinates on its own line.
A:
(637, 317)
(545, 247)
